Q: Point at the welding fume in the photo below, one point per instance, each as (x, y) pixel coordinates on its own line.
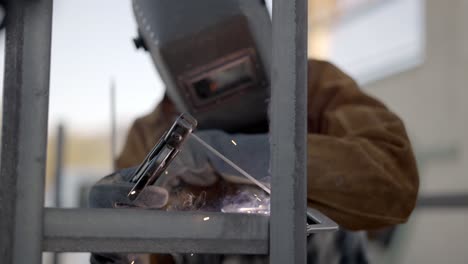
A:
(206, 145)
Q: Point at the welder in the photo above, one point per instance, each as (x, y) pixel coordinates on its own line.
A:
(214, 58)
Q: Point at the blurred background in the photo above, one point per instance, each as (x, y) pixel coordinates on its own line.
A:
(411, 54)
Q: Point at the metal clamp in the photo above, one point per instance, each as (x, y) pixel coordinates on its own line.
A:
(162, 154)
(319, 223)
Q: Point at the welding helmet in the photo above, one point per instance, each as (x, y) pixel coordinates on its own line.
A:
(213, 56)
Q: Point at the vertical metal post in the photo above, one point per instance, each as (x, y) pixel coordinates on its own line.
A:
(59, 158)
(288, 128)
(113, 120)
(24, 130)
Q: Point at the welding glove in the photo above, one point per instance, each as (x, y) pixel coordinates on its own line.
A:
(112, 190)
(196, 165)
(191, 166)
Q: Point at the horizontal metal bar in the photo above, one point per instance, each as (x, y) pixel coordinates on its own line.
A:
(448, 200)
(145, 231)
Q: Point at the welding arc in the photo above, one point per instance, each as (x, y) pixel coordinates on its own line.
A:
(232, 164)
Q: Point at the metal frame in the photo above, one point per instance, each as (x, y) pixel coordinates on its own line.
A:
(321, 223)
(24, 130)
(444, 200)
(154, 231)
(288, 129)
(24, 137)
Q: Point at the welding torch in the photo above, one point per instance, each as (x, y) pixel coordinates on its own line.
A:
(162, 154)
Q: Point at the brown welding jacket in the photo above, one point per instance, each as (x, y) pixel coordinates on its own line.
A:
(361, 168)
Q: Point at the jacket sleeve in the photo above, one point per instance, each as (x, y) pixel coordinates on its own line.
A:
(143, 135)
(361, 168)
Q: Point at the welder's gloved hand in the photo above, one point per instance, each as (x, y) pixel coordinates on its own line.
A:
(196, 165)
(112, 190)
(191, 166)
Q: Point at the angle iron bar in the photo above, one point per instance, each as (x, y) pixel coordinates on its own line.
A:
(144, 231)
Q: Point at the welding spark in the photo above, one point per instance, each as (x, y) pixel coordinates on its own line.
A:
(233, 142)
(132, 192)
(133, 262)
(256, 197)
(166, 172)
(191, 254)
(206, 218)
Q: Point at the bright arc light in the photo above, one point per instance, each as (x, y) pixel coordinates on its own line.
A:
(233, 142)
(206, 218)
(132, 192)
